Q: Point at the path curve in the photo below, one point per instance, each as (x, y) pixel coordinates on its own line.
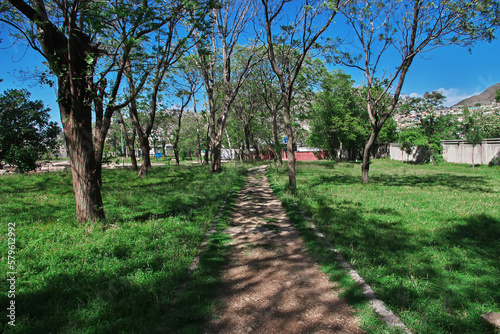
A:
(271, 284)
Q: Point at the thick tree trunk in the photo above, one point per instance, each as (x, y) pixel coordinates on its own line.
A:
(216, 159)
(146, 159)
(86, 172)
(216, 141)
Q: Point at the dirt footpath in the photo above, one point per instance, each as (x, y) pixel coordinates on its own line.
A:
(271, 284)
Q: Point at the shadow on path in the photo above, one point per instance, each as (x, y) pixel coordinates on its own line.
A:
(271, 284)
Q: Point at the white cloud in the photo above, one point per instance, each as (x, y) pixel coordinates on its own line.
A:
(453, 95)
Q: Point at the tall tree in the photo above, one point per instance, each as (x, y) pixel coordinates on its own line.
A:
(408, 28)
(288, 50)
(169, 46)
(68, 35)
(230, 22)
(186, 82)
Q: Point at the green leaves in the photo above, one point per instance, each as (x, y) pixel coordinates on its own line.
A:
(25, 132)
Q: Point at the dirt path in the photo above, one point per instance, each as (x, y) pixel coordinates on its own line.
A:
(271, 284)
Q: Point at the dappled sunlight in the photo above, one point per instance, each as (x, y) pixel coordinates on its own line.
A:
(271, 283)
(425, 238)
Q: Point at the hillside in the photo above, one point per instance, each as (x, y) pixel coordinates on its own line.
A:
(485, 98)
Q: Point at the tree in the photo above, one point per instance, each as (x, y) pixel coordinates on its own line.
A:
(409, 28)
(430, 124)
(411, 138)
(472, 129)
(497, 96)
(186, 82)
(216, 56)
(25, 130)
(270, 93)
(64, 38)
(81, 42)
(336, 118)
(288, 50)
(491, 124)
(129, 138)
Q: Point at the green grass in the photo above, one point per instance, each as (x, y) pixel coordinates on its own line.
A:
(426, 238)
(120, 275)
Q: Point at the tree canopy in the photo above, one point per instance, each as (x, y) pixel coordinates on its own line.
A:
(25, 130)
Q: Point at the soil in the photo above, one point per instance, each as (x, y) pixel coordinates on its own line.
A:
(271, 284)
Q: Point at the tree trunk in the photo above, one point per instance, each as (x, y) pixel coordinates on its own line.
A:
(146, 159)
(289, 146)
(216, 159)
(130, 142)
(176, 155)
(365, 166)
(198, 141)
(230, 146)
(473, 147)
(246, 131)
(277, 146)
(216, 141)
(86, 173)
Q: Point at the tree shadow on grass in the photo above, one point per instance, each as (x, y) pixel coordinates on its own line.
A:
(69, 303)
(124, 281)
(388, 248)
(462, 182)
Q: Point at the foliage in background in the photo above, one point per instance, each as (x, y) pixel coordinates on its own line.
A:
(25, 131)
(428, 133)
(336, 118)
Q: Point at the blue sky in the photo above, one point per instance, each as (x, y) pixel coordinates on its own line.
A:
(452, 70)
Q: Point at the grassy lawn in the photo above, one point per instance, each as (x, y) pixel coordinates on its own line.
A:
(426, 238)
(121, 275)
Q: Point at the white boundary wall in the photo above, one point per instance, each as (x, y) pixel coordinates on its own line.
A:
(456, 151)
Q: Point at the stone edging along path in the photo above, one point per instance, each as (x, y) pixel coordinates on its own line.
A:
(378, 305)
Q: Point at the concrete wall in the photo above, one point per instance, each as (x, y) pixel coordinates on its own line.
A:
(456, 151)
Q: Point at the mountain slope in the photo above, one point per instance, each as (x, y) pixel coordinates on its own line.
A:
(485, 98)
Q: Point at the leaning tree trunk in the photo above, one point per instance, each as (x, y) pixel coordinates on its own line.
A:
(365, 166)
